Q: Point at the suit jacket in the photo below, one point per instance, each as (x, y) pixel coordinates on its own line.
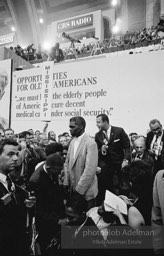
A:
(160, 159)
(149, 139)
(81, 170)
(12, 222)
(118, 146)
(158, 211)
(147, 157)
(49, 199)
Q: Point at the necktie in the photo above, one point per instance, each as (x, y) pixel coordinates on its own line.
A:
(106, 135)
(138, 157)
(155, 147)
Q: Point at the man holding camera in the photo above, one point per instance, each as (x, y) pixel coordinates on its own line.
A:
(13, 203)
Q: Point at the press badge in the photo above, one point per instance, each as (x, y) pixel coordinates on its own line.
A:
(6, 199)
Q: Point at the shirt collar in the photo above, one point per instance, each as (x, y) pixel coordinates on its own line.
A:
(3, 177)
(80, 137)
(44, 168)
(108, 131)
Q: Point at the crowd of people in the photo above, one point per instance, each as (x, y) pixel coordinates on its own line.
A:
(120, 42)
(52, 188)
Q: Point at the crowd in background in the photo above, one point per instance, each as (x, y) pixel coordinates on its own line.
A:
(69, 176)
(119, 42)
(57, 185)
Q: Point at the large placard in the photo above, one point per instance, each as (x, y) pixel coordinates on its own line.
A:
(126, 88)
(5, 88)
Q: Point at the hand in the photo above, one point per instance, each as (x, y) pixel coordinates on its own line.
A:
(104, 149)
(63, 221)
(126, 199)
(119, 215)
(124, 163)
(30, 202)
(46, 125)
(23, 144)
(151, 152)
(98, 170)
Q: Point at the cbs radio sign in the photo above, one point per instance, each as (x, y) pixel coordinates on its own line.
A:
(6, 39)
(75, 23)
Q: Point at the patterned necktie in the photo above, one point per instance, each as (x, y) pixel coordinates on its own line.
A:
(106, 135)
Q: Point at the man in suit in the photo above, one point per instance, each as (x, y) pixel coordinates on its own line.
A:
(114, 154)
(13, 202)
(81, 163)
(154, 144)
(49, 199)
(141, 153)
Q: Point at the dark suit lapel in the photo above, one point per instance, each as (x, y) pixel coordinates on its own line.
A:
(163, 137)
(3, 189)
(101, 136)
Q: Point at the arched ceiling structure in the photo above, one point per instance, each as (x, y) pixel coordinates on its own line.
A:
(24, 15)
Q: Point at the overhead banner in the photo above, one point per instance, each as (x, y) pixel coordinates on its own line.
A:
(5, 88)
(126, 88)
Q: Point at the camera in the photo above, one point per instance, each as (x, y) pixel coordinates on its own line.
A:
(70, 38)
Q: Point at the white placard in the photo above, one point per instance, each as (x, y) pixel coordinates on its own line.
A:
(112, 201)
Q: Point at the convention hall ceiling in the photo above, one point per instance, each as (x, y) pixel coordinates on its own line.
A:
(10, 10)
(24, 16)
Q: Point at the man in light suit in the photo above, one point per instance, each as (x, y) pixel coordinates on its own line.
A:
(114, 154)
(81, 163)
(158, 213)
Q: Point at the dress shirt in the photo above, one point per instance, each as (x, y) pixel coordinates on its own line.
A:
(77, 143)
(156, 144)
(3, 180)
(107, 133)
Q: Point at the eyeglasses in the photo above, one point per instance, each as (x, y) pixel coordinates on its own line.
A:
(157, 129)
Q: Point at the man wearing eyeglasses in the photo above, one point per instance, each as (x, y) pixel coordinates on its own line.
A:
(154, 143)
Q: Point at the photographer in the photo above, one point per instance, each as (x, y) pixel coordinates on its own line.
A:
(56, 54)
(28, 159)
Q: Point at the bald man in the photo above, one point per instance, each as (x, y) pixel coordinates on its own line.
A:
(141, 153)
